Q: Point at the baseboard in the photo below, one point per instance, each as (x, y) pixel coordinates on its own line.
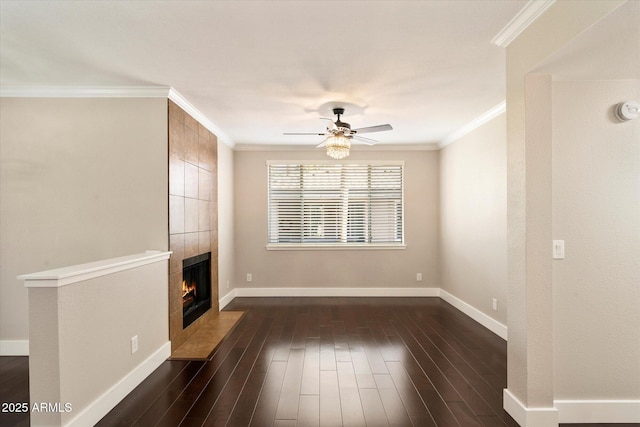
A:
(225, 300)
(336, 292)
(529, 417)
(14, 347)
(100, 407)
(598, 411)
(486, 321)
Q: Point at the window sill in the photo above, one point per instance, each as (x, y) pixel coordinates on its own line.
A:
(332, 247)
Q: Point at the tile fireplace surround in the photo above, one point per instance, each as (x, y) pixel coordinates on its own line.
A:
(193, 212)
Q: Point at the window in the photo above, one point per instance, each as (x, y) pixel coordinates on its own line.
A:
(329, 204)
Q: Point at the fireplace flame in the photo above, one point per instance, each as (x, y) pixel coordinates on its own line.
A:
(188, 292)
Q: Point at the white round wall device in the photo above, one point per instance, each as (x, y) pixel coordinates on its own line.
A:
(628, 110)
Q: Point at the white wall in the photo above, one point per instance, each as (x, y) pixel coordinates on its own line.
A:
(596, 210)
(473, 218)
(80, 180)
(337, 268)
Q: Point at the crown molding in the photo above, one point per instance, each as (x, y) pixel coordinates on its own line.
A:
(182, 102)
(116, 92)
(297, 147)
(529, 13)
(474, 124)
(84, 91)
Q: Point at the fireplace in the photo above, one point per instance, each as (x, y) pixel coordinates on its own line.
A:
(196, 287)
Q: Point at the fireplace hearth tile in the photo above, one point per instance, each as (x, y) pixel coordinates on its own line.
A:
(201, 345)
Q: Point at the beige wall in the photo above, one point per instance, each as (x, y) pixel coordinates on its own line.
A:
(596, 210)
(529, 207)
(473, 218)
(80, 351)
(226, 264)
(80, 180)
(337, 268)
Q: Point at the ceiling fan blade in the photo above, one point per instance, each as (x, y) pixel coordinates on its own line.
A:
(306, 133)
(330, 125)
(370, 129)
(366, 141)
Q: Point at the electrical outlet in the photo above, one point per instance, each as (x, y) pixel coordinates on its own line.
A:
(134, 344)
(494, 304)
(419, 277)
(249, 277)
(227, 284)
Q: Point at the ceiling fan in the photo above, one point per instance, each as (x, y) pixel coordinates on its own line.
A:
(339, 135)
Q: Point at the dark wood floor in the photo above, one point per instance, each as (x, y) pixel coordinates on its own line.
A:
(322, 361)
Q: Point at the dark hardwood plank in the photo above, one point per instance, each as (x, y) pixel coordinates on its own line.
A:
(362, 370)
(265, 412)
(323, 362)
(418, 413)
(391, 401)
(222, 408)
(435, 377)
(286, 337)
(350, 403)
(465, 415)
(210, 378)
(308, 411)
(290, 393)
(438, 408)
(211, 392)
(341, 351)
(330, 408)
(371, 349)
(372, 408)
(327, 348)
(311, 367)
(145, 394)
(247, 401)
(14, 388)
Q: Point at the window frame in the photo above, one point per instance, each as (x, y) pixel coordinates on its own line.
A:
(347, 245)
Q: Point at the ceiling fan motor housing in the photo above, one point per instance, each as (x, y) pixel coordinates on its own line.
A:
(343, 126)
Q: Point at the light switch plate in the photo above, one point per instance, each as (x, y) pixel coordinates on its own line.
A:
(558, 249)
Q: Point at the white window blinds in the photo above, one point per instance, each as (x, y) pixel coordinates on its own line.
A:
(336, 204)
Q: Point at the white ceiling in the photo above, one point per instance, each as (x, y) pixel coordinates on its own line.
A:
(260, 68)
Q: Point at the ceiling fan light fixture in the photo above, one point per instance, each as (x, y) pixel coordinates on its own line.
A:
(337, 146)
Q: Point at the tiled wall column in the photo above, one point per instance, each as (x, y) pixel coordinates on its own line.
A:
(193, 211)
